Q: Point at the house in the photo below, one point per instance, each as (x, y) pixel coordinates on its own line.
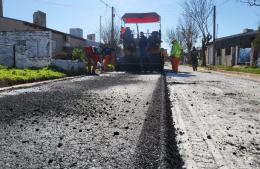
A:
(233, 50)
(26, 44)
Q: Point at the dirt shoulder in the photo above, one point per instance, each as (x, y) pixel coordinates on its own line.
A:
(248, 76)
(216, 118)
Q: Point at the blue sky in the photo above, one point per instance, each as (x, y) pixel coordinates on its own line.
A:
(232, 16)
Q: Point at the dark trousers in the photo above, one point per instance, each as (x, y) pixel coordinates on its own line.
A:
(194, 65)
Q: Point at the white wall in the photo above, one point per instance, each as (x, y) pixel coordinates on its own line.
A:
(6, 55)
(69, 65)
(32, 48)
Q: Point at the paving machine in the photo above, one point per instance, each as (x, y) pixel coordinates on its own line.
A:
(140, 52)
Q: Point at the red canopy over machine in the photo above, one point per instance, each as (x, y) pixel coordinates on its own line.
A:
(141, 17)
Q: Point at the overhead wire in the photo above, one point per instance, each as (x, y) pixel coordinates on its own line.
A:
(108, 4)
(105, 3)
(221, 4)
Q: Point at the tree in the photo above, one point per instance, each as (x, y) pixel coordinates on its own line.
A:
(251, 2)
(186, 33)
(78, 54)
(173, 33)
(189, 32)
(106, 34)
(200, 12)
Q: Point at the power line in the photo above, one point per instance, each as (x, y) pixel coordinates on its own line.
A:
(105, 3)
(117, 14)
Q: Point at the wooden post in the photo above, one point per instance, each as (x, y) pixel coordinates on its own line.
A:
(100, 29)
(214, 36)
(112, 28)
(1, 8)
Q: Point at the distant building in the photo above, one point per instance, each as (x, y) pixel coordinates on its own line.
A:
(233, 50)
(39, 18)
(91, 37)
(1, 8)
(92, 43)
(59, 39)
(34, 45)
(76, 32)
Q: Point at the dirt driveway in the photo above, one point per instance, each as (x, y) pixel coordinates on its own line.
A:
(217, 118)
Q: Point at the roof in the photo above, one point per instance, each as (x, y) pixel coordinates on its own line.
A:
(242, 40)
(43, 28)
(247, 34)
(141, 17)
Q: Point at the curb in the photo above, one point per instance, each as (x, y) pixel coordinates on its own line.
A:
(34, 84)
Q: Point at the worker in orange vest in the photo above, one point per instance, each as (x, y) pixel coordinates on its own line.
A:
(175, 55)
(92, 58)
(109, 57)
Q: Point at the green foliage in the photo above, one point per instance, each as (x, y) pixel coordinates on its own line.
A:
(245, 69)
(15, 76)
(111, 67)
(78, 54)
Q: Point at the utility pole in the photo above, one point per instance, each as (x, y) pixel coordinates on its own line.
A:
(100, 29)
(112, 28)
(214, 36)
(1, 8)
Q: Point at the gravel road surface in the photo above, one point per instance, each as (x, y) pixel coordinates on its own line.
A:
(111, 121)
(217, 119)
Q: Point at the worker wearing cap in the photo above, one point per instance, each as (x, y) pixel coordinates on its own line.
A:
(175, 55)
(92, 57)
(108, 53)
(143, 47)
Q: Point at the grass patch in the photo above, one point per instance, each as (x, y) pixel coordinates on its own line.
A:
(245, 69)
(17, 76)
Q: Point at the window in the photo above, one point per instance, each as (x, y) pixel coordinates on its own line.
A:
(21, 46)
(218, 52)
(21, 43)
(228, 51)
(66, 38)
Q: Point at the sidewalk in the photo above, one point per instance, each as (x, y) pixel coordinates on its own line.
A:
(248, 76)
(34, 84)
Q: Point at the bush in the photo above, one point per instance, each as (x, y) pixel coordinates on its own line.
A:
(78, 54)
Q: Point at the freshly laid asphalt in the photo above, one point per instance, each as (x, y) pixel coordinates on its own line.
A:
(116, 120)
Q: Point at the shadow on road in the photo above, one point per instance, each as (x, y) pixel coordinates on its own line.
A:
(170, 73)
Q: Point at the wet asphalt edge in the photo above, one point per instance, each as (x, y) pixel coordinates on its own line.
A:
(169, 153)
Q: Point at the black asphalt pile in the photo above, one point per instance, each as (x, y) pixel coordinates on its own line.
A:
(110, 121)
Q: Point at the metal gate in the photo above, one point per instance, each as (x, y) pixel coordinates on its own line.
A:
(7, 55)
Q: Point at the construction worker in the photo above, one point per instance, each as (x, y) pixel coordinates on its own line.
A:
(194, 58)
(175, 55)
(92, 58)
(143, 47)
(108, 57)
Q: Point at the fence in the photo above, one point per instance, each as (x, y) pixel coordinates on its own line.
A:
(7, 55)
